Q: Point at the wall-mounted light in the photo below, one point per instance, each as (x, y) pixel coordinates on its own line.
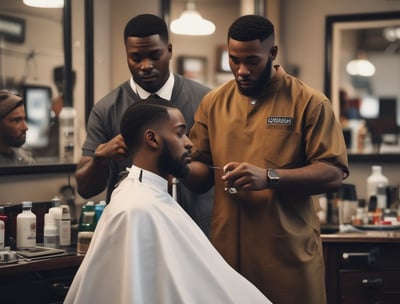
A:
(45, 3)
(191, 23)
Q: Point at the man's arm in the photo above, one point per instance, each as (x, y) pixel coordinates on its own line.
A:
(316, 178)
(92, 172)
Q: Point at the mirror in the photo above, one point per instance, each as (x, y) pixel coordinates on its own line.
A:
(362, 73)
(35, 62)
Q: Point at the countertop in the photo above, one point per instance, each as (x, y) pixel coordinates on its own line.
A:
(66, 260)
(362, 237)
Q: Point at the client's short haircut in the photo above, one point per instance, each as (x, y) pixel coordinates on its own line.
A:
(141, 115)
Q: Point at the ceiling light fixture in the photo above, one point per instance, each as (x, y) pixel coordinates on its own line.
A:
(392, 33)
(45, 3)
(191, 23)
(360, 66)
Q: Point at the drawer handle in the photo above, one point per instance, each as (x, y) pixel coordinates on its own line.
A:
(371, 256)
(372, 283)
(349, 255)
(59, 289)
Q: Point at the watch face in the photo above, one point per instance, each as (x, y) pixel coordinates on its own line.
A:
(273, 176)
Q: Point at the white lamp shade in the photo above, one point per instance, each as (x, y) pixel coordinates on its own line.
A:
(45, 3)
(360, 67)
(191, 23)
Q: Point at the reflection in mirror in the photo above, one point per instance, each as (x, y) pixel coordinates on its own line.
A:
(362, 77)
(32, 66)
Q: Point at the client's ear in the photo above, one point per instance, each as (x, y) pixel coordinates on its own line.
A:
(152, 138)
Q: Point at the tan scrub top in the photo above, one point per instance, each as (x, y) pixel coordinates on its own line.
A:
(271, 237)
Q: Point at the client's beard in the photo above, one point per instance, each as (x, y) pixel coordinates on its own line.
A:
(175, 167)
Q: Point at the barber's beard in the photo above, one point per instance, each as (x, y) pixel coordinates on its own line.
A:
(14, 142)
(173, 166)
(260, 83)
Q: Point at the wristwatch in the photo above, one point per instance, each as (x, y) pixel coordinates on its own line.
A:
(272, 178)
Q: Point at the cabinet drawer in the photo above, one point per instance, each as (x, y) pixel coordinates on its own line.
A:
(369, 286)
(382, 257)
(36, 287)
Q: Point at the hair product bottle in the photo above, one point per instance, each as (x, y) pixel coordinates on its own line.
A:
(98, 208)
(56, 213)
(2, 234)
(65, 226)
(26, 227)
(50, 231)
(86, 227)
(374, 180)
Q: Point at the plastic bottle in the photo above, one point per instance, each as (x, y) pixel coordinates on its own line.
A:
(50, 232)
(348, 203)
(86, 227)
(2, 234)
(56, 213)
(374, 180)
(4, 219)
(67, 134)
(26, 227)
(381, 197)
(99, 210)
(65, 226)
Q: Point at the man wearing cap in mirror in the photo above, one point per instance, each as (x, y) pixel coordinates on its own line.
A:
(13, 129)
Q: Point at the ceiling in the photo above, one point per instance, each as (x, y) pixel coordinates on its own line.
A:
(373, 40)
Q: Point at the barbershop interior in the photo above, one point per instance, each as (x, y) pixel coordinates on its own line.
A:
(62, 60)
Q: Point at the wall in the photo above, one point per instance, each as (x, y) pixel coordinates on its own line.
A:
(205, 46)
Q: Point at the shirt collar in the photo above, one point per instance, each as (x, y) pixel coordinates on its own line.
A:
(149, 178)
(164, 92)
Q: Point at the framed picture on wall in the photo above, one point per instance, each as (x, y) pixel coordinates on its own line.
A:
(12, 29)
(193, 67)
(223, 59)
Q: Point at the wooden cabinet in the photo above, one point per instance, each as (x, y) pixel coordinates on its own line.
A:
(38, 282)
(362, 268)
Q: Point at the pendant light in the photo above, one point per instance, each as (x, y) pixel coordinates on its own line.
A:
(360, 66)
(191, 23)
(45, 3)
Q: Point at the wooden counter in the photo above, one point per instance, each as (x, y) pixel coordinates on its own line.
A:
(362, 267)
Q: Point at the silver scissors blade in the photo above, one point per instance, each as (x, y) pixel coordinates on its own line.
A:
(215, 167)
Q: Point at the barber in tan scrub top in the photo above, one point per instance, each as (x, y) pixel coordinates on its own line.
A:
(278, 143)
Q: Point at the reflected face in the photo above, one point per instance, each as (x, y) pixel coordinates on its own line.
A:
(13, 128)
(148, 60)
(175, 154)
(251, 64)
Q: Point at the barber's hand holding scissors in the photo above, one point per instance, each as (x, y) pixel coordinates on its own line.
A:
(244, 176)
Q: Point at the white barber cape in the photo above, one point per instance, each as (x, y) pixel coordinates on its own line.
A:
(147, 250)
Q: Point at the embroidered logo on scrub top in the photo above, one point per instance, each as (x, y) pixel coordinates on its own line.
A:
(280, 120)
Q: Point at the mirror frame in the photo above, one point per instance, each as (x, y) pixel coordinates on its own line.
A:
(67, 38)
(330, 22)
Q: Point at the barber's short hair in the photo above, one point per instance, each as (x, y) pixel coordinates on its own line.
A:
(251, 27)
(145, 25)
(141, 115)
